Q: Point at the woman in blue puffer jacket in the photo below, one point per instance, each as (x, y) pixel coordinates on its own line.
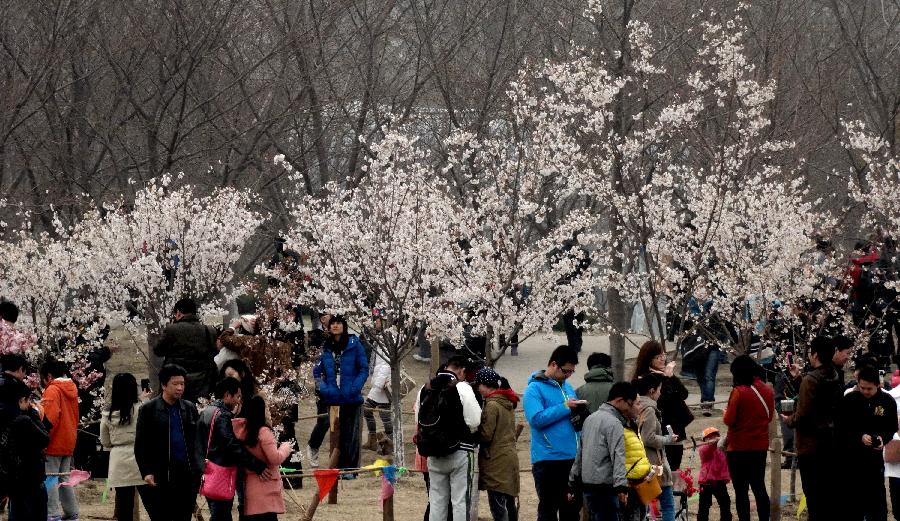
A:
(341, 374)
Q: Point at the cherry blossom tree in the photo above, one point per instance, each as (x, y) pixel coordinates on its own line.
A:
(879, 176)
(170, 243)
(686, 178)
(377, 253)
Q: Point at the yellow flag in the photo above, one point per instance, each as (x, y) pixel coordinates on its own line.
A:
(802, 506)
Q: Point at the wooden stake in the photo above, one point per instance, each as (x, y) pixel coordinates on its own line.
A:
(775, 470)
(335, 439)
(388, 512)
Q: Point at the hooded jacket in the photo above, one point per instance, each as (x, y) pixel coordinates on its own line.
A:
(602, 453)
(498, 462)
(342, 373)
(552, 435)
(597, 383)
(381, 380)
(60, 402)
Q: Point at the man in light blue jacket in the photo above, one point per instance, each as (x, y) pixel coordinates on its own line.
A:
(549, 405)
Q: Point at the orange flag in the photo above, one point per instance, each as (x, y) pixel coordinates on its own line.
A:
(326, 478)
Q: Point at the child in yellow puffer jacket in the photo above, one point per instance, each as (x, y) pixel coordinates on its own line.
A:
(638, 466)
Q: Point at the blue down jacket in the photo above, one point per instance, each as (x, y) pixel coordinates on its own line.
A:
(353, 368)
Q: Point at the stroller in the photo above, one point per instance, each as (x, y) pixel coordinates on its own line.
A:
(682, 489)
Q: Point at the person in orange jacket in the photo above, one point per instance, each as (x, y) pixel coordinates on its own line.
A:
(60, 402)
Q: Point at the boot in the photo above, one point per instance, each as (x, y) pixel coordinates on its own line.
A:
(371, 442)
(387, 446)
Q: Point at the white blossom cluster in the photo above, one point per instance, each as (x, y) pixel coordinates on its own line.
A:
(877, 189)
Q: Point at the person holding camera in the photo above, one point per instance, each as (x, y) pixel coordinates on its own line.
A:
(867, 419)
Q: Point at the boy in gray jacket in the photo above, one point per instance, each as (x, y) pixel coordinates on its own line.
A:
(599, 468)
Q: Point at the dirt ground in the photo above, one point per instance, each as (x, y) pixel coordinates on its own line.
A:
(360, 497)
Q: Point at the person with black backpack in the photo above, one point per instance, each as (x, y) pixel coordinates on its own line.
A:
(447, 420)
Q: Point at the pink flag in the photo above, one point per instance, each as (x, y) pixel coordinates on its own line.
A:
(76, 477)
(387, 491)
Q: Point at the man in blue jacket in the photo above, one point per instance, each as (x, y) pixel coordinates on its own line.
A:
(340, 376)
(549, 404)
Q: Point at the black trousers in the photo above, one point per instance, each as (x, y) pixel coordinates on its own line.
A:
(28, 504)
(719, 490)
(870, 499)
(821, 500)
(125, 502)
(350, 420)
(573, 333)
(551, 482)
(748, 472)
(321, 429)
(171, 501)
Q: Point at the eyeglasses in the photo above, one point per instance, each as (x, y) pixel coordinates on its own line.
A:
(567, 372)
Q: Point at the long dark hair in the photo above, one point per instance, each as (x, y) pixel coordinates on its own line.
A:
(338, 344)
(645, 357)
(124, 396)
(254, 410)
(249, 385)
(744, 369)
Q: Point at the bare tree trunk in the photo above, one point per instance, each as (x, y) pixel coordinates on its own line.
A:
(397, 415)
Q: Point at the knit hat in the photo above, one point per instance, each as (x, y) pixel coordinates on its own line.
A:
(709, 431)
(488, 377)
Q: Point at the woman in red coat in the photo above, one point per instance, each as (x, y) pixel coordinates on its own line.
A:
(750, 410)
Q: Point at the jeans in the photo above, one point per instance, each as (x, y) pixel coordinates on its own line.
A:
(503, 506)
(706, 376)
(61, 501)
(384, 410)
(602, 504)
(29, 504)
(667, 504)
(220, 510)
(449, 478)
(551, 482)
(719, 490)
(748, 471)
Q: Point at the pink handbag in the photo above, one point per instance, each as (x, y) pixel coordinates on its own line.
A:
(218, 482)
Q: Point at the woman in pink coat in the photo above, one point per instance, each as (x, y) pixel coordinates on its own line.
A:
(264, 500)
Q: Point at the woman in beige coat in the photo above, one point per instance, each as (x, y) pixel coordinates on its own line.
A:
(117, 430)
(651, 431)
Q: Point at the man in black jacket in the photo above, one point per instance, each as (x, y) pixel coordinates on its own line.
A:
(867, 420)
(165, 450)
(192, 345)
(216, 440)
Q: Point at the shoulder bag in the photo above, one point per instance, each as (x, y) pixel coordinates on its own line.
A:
(218, 483)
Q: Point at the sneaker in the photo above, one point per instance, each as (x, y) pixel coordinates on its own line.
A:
(348, 476)
(54, 518)
(707, 410)
(313, 456)
(420, 358)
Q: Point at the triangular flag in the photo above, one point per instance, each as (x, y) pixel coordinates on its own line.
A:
(387, 491)
(325, 478)
(802, 506)
(76, 477)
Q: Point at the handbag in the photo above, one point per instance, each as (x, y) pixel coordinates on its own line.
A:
(892, 452)
(218, 483)
(648, 489)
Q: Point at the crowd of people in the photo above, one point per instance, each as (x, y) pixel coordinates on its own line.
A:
(605, 450)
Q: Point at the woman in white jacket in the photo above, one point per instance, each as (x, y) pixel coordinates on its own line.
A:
(379, 397)
(117, 430)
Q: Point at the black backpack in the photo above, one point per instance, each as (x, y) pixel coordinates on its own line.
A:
(440, 418)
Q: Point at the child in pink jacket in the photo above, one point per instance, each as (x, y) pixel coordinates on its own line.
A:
(714, 476)
(263, 500)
